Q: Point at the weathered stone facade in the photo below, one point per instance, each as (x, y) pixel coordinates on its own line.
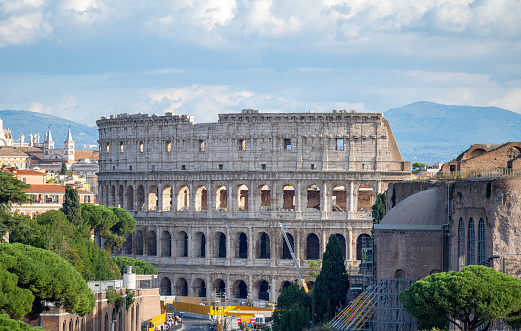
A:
(482, 218)
(487, 157)
(208, 198)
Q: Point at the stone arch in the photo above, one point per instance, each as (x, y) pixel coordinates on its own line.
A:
(363, 242)
(288, 197)
(130, 198)
(339, 198)
(181, 287)
(477, 152)
(221, 198)
(286, 254)
(181, 244)
(263, 290)
(240, 289)
(242, 197)
(113, 196)
(64, 326)
(342, 242)
(311, 286)
(138, 317)
(77, 324)
(133, 319)
(151, 243)
(141, 197)
(265, 197)
(434, 271)
(240, 243)
(106, 322)
(219, 287)
(139, 242)
(285, 285)
(399, 273)
(167, 198)
(313, 197)
(312, 247)
(263, 246)
(183, 198)
(199, 288)
(166, 244)
(166, 286)
(471, 243)
(71, 326)
(219, 245)
(153, 200)
(121, 326)
(201, 199)
(127, 245)
(199, 245)
(120, 197)
(365, 198)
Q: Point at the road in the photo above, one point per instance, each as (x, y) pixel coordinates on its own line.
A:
(194, 324)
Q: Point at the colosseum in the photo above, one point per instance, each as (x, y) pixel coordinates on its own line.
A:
(208, 198)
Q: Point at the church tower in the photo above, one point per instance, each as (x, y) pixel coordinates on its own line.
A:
(69, 147)
(48, 144)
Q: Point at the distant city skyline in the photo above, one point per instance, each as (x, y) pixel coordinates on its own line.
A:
(83, 59)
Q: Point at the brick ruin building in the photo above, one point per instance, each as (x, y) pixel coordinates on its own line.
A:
(208, 198)
(487, 157)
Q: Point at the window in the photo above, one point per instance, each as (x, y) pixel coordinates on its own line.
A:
(471, 244)
(183, 167)
(481, 241)
(220, 167)
(130, 168)
(169, 146)
(141, 147)
(113, 168)
(461, 244)
(121, 147)
(263, 166)
(242, 144)
(340, 144)
(287, 144)
(313, 166)
(108, 148)
(201, 145)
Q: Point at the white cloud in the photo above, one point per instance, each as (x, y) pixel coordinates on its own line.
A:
(65, 108)
(511, 100)
(449, 78)
(23, 22)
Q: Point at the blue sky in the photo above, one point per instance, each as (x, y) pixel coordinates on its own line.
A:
(83, 59)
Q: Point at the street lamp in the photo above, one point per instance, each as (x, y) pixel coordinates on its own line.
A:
(486, 262)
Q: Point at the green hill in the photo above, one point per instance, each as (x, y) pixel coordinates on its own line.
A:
(26, 122)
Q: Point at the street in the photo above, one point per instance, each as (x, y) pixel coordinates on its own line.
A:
(194, 324)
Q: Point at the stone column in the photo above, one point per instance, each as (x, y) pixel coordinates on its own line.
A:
(325, 200)
(296, 244)
(273, 286)
(350, 195)
(228, 247)
(160, 196)
(251, 291)
(300, 207)
(251, 244)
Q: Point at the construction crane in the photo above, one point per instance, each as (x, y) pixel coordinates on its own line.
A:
(302, 280)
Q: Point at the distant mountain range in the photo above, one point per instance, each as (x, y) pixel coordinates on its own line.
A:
(429, 132)
(426, 132)
(26, 122)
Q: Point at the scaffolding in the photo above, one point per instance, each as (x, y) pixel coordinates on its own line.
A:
(358, 312)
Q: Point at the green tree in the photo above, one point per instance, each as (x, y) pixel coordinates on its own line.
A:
(11, 191)
(329, 293)
(71, 206)
(7, 324)
(379, 208)
(417, 166)
(64, 170)
(49, 277)
(141, 267)
(292, 310)
(470, 299)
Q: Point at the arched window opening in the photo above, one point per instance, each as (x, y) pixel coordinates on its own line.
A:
(181, 241)
(120, 197)
(342, 242)
(313, 195)
(362, 244)
(199, 288)
(243, 246)
(399, 273)
(221, 251)
(167, 198)
(139, 242)
(166, 244)
(461, 244)
(152, 243)
(219, 288)
(200, 245)
(113, 196)
(264, 246)
(481, 241)
(107, 328)
(286, 254)
(312, 247)
(240, 290)
(471, 243)
(182, 199)
(288, 196)
(365, 198)
(222, 198)
(181, 287)
(127, 245)
(130, 198)
(166, 286)
(201, 199)
(339, 198)
(141, 197)
(242, 197)
(286, 285)
(264, 288)
(265, 198)
(152, 197)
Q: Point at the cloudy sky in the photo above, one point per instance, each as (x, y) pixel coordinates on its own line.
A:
(83, 59)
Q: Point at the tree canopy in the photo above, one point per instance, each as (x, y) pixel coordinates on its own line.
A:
(110, 223)
(7, 324)
(379, 208)
(293, 309)
(470, 298)
(332, 282)
(41, 275)
(11, 191)
(141, 267)
(71, 206)
(64, 170)
(417, 166)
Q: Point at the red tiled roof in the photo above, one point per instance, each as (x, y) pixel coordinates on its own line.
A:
(46, 188)
(24, 172)
(84, 154)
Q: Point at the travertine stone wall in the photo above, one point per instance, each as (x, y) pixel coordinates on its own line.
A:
(208, 198)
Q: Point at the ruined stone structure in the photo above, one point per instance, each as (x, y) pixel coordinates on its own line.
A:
(487, 157)
(208, 198)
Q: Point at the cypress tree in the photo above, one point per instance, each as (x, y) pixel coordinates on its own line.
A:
(379, 208)
(64, 169)
(71, 206)
(332, 283)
